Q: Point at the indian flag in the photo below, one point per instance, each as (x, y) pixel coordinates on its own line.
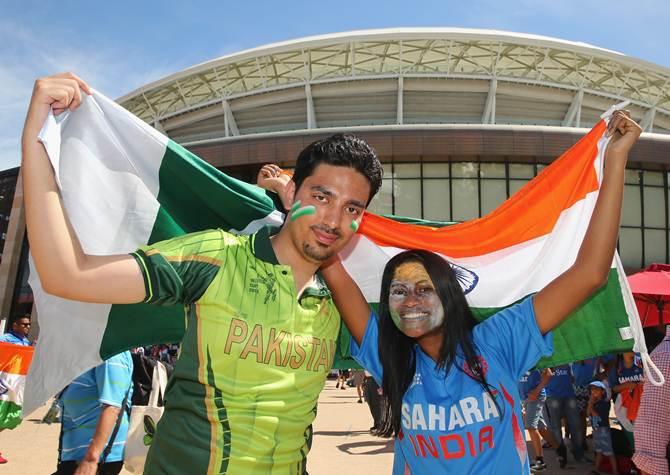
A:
(124, 184)
(14, 363)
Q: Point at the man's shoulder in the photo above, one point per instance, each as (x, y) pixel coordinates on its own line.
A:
(206, 241)
(661, 355)
(122, 362)
(9, 338)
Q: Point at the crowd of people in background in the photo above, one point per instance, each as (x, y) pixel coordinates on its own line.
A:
(561, 403)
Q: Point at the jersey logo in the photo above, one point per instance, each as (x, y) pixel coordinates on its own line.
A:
(268, 282)
(416, 381)
(482, 364)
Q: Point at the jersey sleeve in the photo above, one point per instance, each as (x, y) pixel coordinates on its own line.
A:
(367, 354)
(113, 378)
(179, 270)
(513, 335)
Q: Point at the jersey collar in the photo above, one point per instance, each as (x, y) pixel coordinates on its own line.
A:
(262, 247)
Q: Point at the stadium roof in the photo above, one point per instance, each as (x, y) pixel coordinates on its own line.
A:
(399, 77)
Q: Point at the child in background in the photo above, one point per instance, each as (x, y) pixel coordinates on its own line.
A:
(598, 410)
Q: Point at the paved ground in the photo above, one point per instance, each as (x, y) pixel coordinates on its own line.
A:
(342, 443)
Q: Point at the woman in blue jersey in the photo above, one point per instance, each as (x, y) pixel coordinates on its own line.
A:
(449, 383)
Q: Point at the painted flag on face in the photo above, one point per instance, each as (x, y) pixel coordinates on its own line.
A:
(14, 363)
(124, 185)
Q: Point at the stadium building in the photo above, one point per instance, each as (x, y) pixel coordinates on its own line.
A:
(460, 118)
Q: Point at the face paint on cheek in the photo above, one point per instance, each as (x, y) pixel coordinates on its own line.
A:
(295, 206)
(354, 226)
(297, 211)
(436, 316)
(395, 316)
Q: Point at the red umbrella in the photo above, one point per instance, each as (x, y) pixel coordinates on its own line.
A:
(651, 289)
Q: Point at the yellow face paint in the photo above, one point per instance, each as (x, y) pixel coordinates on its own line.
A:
(415, 306)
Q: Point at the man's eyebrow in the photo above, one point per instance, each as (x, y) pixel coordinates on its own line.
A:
(327, 192)
(322, 189)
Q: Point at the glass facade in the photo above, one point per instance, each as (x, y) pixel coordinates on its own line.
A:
(22, 301)
(7, 188)
(460, 191)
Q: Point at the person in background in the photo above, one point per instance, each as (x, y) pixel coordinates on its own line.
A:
(359, 379)
(372, 393)
(583, 372)
(95, 419)
(18, 335)
(598, 410)
(562, 402)
(629, 376)
(342, 376)
(533, 394)
(652, 426)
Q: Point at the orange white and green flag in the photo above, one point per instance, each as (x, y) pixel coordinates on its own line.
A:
(125, 185)
(14, 363)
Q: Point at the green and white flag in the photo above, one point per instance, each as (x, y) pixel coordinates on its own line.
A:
(125, 185)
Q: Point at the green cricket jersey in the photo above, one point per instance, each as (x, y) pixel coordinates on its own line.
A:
(253, 361)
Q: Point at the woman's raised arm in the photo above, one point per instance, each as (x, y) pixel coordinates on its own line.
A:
(591, 268)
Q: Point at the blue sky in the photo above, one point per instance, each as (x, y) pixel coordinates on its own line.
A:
(119, 46)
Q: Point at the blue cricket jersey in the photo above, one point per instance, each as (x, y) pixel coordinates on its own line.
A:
(14, 339)
(449, 423)
(107, 383)
(560, 384)
(529, 381)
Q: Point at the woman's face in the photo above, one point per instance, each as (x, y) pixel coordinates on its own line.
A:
(415, 307)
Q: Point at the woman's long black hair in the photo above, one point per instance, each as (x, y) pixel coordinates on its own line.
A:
(396, 350)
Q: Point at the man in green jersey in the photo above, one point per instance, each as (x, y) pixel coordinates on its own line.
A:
(261, 327)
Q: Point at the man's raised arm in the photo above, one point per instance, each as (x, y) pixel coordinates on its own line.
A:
(61, 264)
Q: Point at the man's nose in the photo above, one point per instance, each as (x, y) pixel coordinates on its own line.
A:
(331, 217)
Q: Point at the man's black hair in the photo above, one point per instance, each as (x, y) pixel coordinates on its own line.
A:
(341, 150)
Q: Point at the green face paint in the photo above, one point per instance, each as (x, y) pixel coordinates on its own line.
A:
(304, 211)
(295, 206)
(354, 226)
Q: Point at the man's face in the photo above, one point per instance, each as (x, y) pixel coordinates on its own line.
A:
(21, 326)
(330, 200)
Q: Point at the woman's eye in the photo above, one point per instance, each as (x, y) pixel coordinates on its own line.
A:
(398, 292)
(426, 290)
